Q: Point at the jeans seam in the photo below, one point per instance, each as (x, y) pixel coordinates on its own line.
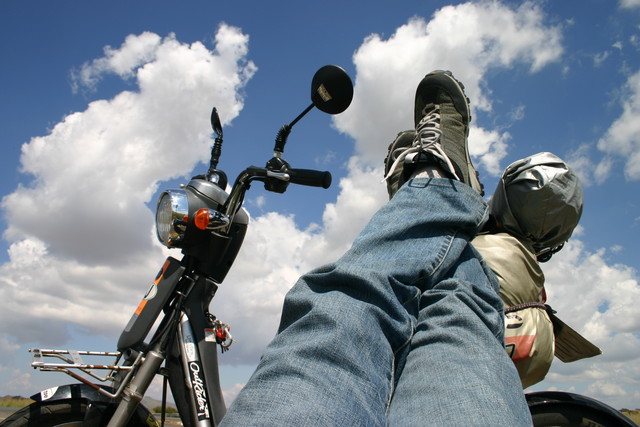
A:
(392, 384)
(450, 238)
(392, 380)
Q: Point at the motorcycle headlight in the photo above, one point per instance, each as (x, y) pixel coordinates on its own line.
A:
(172, 215)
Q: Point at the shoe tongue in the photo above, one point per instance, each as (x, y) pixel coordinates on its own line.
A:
(428, 119)
(442, 97)
(428, 109)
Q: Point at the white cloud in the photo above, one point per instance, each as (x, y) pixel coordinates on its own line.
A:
(589, 171)
(7, 348)
(136, 50)
(581, 281)
(231, 393)
(489, 147)
(620, 143)
(518, 113)
(80, 231)
(629, 4)
(468, 39)
(582, 164)
(20, 381)
(599, 300)
(599, 58)
(622, 139)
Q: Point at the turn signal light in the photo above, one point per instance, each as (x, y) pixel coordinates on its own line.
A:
(201, 218)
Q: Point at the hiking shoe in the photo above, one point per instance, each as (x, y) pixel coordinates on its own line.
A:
(396, 177)
(442, 119)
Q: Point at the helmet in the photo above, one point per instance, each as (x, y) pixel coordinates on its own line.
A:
(540, 200)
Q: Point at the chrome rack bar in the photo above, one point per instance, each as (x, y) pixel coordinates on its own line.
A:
(75, 362)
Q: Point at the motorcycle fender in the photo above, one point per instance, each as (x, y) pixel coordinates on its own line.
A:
(151, 305)
(72, 391)
(541, 400)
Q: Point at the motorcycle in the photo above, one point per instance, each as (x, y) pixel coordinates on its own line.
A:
(208, 225)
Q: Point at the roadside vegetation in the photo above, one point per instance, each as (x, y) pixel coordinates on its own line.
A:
(14, 401)
(634, 415)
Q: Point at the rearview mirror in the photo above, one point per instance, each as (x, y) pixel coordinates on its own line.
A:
(331, 89)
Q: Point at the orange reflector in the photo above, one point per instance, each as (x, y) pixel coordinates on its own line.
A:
(201, 219)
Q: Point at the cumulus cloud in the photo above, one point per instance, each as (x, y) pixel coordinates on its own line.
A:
(468, 39)
(81, 230)
(612, 286)
(589, 171)
(134, 52)
(598, 299)
(621, 142)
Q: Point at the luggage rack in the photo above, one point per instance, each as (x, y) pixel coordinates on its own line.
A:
(72, 360)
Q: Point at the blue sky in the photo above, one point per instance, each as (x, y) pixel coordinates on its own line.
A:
(103, 104)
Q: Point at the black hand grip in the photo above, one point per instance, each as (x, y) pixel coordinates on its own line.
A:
(310, 177)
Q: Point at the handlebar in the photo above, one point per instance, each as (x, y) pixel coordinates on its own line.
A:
(310, 177)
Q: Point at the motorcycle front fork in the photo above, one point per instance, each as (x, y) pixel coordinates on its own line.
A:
(193, 373)
(134, 392)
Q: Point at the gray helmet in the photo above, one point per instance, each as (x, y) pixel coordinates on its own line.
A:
(540, 199)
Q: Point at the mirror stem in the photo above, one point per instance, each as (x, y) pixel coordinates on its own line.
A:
(301, 115)
(281, 140)
(285, 130)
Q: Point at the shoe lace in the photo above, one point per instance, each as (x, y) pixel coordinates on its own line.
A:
(428, 134)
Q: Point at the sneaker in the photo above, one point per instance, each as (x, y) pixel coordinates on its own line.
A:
(442, 126)
(395, 172)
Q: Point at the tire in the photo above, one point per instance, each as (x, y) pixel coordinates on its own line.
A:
(48, 414)
(68, 413)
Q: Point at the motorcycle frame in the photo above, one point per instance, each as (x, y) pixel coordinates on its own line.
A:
(184, 340)
(192, 362)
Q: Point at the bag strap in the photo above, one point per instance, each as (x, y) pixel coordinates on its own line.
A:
(525, 305)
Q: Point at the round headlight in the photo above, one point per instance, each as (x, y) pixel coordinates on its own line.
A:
(172, 215)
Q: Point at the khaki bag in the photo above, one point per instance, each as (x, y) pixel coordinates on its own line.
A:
(529, 337)
(536, 205)
(533, 333)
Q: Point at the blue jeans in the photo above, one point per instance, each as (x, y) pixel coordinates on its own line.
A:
(406, 328)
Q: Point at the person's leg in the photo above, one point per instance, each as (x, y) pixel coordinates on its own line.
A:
(333, 360)
(457, 371)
